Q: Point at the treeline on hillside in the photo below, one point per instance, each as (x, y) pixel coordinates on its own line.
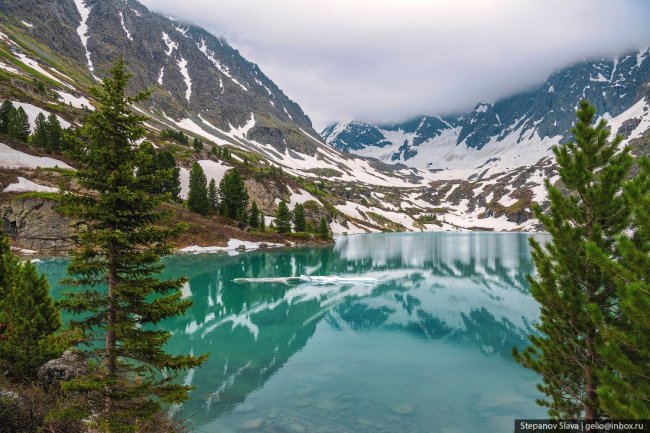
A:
(48, 132)
(230, 199)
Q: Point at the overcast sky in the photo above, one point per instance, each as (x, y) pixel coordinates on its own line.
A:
(388, 60)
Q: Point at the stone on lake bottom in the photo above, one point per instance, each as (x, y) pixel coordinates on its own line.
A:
(403, 409)
(326, 405)
(298, 428)
(252, 424)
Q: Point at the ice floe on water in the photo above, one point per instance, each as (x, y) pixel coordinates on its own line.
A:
(309, 279)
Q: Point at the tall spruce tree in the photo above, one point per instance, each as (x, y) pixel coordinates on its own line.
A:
(233, 197)
(18, 124)
(132, 375)
(40, 136)
(197, 198)
(568, 285)
(213, 196)
(624, 389)
(283, 218)
(29, 317)
(299, 218)
(5, 109)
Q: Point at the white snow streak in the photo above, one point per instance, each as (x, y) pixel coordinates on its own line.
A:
(182, 64)
(128, 34)
(82, 30)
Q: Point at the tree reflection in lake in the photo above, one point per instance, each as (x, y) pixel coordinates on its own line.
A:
(466, 290)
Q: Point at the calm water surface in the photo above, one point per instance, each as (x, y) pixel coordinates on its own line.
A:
(423, 346)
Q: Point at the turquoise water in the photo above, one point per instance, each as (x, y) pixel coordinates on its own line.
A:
(423, 344)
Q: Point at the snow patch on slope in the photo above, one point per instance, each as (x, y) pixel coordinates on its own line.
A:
(75, 101)
(33, 111)
(25, 185)
(640, 110)
(171, 45)
(223, 69)
(82, 30)
(34, 65)
(213, 170)
(182, 65)
(128, 34)
(12, 158)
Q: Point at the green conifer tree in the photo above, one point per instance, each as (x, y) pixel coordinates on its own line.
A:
(54, 133)
(213, 196)
(624, 389)
(149, 167)
(323, 229)
(254, 217)
(172, 174)
(233, 197)
(5, 109)
(197, 198)
(121, 249)
(29, 317)
(40, 136)
(18, 124)
(197, 144)
(283, 218)
(568, 285)
(299, 218)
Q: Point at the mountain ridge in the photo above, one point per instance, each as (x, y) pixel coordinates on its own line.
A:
(612, 85)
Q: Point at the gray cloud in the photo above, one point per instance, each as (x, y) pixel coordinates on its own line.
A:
(386, 60)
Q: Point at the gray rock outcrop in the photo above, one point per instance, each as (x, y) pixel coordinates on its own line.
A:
(69, 366)
(36, 224)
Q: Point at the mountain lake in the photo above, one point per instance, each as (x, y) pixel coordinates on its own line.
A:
(403, 332)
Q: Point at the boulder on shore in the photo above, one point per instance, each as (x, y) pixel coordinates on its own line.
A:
(69, 366)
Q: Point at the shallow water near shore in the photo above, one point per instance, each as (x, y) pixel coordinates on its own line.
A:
(400, 333)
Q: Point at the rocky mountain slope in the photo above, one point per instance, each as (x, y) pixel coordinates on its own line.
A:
(53, 52)
(200, 83)
(617, 87)
(479, 171)
(487, 167)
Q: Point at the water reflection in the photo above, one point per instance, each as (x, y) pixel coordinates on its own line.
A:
(464, 288)
(467, 290)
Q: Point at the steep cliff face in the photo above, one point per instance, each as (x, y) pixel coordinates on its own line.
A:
(36, 224)
(192, 72)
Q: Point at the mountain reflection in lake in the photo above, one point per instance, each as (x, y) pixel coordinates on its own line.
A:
(415, 335)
